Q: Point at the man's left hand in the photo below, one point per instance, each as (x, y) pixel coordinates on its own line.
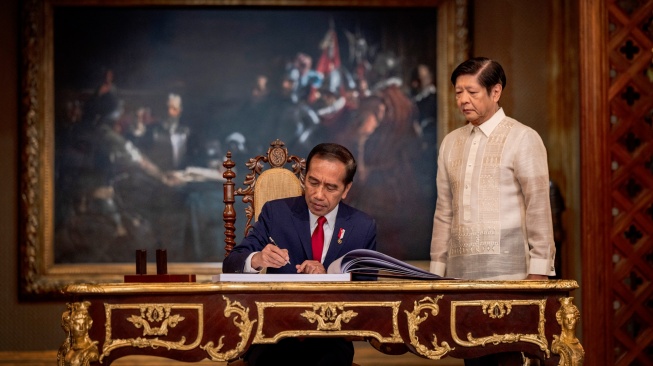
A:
(312, 267)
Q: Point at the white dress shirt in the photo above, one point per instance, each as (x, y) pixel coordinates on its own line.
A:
(328, 227)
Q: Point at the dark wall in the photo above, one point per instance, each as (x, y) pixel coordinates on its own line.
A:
(26, 326)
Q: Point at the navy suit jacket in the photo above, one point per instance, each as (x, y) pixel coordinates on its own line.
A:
(287, 222)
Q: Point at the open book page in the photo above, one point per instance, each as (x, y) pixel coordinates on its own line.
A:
(372, 262)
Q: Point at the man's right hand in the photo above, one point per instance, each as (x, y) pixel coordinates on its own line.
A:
(270, 256)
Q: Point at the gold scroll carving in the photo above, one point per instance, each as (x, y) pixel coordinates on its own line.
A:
(78, 349)
(497, 309)
(245, 326)
(414, 320)
(567, 345)
(152, 314)
(328, 318)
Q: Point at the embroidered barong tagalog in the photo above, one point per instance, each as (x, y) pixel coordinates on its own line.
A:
(481, 235)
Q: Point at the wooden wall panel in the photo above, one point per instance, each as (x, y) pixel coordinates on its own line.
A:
(616, 39)
(630, 142)
(595, 183)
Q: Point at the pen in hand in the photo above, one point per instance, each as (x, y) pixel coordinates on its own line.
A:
(275, 244)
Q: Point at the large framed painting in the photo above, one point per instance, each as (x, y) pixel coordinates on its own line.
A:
(129, 108)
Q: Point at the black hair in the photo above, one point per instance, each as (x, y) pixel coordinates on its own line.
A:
(488, 72)
(333, 151)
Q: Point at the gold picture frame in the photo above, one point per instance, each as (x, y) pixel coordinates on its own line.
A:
(41, 276)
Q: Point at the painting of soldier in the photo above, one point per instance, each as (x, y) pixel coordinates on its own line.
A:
(145, 113)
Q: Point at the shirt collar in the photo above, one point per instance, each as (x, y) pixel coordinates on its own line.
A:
(488, 126)
(331, 217)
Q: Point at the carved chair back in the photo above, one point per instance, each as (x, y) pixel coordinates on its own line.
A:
(271, 176)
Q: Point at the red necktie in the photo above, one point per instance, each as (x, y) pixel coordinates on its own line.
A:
(317, 239)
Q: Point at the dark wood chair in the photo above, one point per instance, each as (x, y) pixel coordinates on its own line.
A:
(274, 175)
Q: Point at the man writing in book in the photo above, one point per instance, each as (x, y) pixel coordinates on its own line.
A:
(305, 234)
(493, 215)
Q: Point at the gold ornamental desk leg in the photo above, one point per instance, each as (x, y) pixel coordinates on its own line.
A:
(567, 345)
(78, 348)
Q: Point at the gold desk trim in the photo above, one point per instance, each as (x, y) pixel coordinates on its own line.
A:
(163, 314)
(328, 318)
(414, 320)
(363, 286)
(500, 309)
(244, 325)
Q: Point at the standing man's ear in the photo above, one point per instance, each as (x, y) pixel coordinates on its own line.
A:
(495, 93)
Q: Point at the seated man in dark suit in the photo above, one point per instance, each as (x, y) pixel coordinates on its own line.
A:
(289, 222)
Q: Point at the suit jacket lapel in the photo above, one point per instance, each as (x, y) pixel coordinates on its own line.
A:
(336, 249)
(303, 229)
(302, 225)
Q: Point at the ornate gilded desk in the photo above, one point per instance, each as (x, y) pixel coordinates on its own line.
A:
(219, 321)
